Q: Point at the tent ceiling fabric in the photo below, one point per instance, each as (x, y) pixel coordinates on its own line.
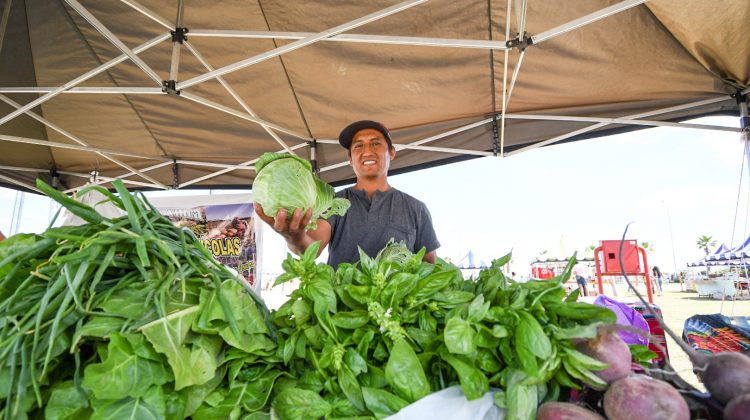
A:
(645, 58)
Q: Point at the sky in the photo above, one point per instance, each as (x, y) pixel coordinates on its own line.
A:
(559, 199)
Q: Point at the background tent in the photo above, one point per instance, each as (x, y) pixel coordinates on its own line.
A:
(185, 94)
(723, 248)
(470, 262)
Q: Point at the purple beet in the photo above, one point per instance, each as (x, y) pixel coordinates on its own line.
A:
(609, 348)
(726, 375)
(565, 411)
(642, 397)
(738, 408)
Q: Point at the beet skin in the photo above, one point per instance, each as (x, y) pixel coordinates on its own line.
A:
(565, 411)
(643, 398)
(609, 348)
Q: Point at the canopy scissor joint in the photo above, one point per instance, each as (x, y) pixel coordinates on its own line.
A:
(170, 87)
(520, 43)
(179, 35)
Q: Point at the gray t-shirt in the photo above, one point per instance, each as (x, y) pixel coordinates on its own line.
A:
(370, 224)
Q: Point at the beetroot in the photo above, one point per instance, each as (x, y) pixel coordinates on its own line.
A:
(738, 408)
(609, 348)
(642, 397)
(565, 411)
(726, 375)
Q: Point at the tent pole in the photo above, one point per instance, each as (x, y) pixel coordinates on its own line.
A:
(423, 141)
(237, 97)
(4, 22)
(358, 38)
(82, 78)
(585, 20)
(122, 177)
(244, 165)
(79, 141)
(100, 90)
(19, 183)
(621, 121)
(742, 100)
(38, 142)
(114, 40)
(178, 37)
(505, 91)
(248, 117)
(148, 13)
(599, 125)
(300, 43)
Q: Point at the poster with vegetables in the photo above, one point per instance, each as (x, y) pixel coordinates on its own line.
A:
(226, 230)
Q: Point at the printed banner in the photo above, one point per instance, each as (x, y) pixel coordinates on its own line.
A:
(227, 230)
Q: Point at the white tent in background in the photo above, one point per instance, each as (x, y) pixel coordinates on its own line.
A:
(720, 251)
(471, 262)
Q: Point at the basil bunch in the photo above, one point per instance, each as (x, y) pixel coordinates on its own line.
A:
(371, 338)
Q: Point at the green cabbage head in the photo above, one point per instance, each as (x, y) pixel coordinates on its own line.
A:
(287, 181)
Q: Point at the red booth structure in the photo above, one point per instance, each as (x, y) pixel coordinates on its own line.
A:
(607, 258)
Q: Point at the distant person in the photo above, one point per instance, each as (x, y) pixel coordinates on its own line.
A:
(582, 284)
(2, 237)
(578, 272)
(659, 280)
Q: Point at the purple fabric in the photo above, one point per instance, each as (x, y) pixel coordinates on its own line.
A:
(626, 316)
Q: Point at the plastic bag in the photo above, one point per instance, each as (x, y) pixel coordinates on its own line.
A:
(99, 202)
(626, 316)
(450, 404)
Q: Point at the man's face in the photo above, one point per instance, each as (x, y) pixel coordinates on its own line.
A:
(369, 154)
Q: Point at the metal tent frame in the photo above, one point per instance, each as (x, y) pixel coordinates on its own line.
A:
(139, 176)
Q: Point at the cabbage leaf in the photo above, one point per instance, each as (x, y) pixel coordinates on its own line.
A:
(287, 181)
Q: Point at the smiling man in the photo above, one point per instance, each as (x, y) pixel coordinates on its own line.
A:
(378, 211)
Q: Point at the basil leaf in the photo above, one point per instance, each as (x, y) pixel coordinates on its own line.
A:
(321, 292)
(583, 312)
(302, 311)
(473, 382)
(404, 373)
(382, 403)
(530, 336)
(399, 286)
(295, 403)
(487, 361)
(355, 362)
(478, 309)
(433, 283)
(350, 388)
(351, 320)
(459, 336)
(584, 361)
(578, 331)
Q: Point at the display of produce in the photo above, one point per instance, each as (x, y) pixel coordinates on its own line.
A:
(133, 318)
(123, 318)
(287, 181)
(370, 339)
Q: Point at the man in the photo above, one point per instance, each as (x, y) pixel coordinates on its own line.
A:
(378, 212)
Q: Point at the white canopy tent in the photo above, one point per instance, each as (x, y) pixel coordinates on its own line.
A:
(189, 94)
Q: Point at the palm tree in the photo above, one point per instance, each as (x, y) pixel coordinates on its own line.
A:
(704, 242)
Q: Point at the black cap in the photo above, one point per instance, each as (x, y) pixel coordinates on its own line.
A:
(347, 134)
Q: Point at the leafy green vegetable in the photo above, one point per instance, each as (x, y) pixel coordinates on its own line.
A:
(642, 354)
(122, 318)
(287, 181)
